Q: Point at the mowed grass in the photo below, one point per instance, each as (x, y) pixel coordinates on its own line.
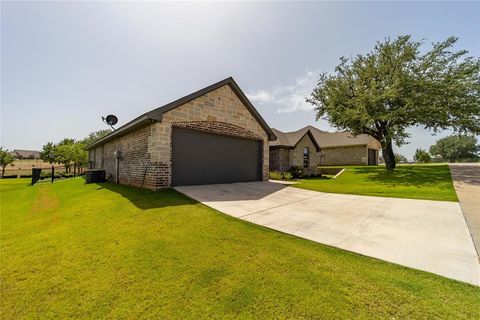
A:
(431, 182)
(70, 250)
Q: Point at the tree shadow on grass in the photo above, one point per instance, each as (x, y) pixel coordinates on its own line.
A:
(145, 199)
(411, 176)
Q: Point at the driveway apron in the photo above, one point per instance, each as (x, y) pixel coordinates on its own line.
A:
(422, 234)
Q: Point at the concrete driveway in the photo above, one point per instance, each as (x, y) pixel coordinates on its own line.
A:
(466, 179)
(422, 234)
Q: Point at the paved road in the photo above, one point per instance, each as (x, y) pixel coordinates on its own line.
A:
(422, 234)
(466, 179)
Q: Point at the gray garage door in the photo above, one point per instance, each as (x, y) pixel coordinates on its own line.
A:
(203, 158)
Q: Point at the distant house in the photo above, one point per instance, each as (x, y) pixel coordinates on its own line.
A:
(25, 154)
(297, 148)
(321, 148)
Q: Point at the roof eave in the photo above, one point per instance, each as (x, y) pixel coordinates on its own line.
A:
(157, 114)
(345, 145)
(130, 126)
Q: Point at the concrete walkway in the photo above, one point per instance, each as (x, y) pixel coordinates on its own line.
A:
(466, 179)
(422, 234)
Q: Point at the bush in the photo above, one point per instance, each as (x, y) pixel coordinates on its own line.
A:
(25, 176)
(296, 172)
(12, 176)
(274, 175)
(287, 176)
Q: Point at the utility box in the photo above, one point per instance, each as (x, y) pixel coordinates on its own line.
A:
(94, 176)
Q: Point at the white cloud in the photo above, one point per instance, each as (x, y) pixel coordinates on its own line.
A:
(288, 98)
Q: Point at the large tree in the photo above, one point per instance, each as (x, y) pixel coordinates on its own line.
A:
(397, 85)
(456, 147)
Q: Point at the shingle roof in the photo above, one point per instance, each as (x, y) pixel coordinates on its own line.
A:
(156, 114)
(17, 153)
(290, 139)
(323, 138)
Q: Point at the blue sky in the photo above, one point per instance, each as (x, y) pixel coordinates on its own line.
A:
(65, 64)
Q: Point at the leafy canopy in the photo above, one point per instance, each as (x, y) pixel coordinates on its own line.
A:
(69, 151)
(397, 85)
(93, 136)
(421, 156)
(456, 147)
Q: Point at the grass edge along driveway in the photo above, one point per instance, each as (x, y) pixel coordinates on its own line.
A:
(113, 251)
(427, 182)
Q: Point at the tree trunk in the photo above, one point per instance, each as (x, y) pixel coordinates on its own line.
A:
(3, 171)
(388, 155)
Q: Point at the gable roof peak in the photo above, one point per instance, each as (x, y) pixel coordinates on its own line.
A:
(156, 114)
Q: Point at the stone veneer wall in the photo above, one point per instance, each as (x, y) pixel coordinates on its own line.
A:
(341, 156)
(297, 154)
(146, 153)
(281, 159)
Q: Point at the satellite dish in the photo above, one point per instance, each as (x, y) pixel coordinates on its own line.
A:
(110, 120)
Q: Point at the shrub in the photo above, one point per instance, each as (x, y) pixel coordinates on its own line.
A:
(287, 176)
(25, 176)
(12, 176)
(296, 172)
(274, 175)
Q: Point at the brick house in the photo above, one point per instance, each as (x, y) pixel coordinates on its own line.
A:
(336, 149)
(214, 135)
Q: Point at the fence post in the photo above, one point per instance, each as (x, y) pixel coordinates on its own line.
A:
(53, 173)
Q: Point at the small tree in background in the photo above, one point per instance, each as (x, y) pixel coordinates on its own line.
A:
(65, 153)
(5, 159)
(456, 147)
(421, 156)
(400, 158)
(396, 86)
(48, 153)
(79, 156)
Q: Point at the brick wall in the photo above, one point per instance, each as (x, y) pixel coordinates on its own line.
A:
(134, 165)
(279, 159)
(146, 153)
(354, 155)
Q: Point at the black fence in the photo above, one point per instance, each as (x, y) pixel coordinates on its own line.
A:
(54, 173)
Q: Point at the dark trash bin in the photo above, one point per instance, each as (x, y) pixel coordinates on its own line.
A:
(36, 175)
(94, 176)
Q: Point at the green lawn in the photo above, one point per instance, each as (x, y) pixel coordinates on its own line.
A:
(432, 182)
(70, 250)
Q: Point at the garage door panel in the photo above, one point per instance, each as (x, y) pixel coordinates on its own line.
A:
(203, 158)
